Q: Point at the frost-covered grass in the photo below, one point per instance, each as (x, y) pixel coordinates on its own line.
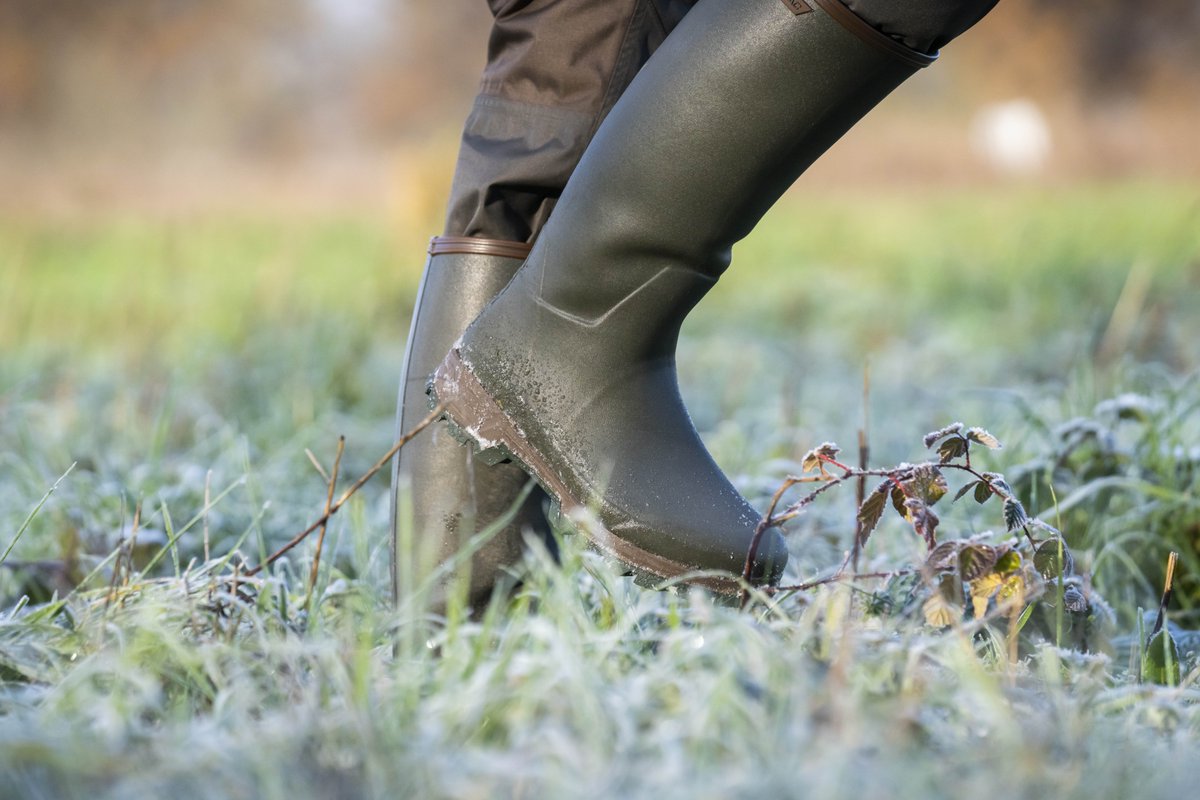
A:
(602, 690)
(170, 362)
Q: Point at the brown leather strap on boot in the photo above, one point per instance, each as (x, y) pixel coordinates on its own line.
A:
(444, 245)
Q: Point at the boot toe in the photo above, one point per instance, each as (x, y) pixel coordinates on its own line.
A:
(770, 560)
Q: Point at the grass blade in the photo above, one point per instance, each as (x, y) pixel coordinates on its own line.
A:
(32, 514)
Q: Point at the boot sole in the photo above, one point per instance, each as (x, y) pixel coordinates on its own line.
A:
(477, 419)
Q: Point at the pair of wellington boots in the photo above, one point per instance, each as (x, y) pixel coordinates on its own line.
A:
(568, 373)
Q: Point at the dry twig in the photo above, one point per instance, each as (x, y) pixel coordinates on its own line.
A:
(316, 564)
(333, 508)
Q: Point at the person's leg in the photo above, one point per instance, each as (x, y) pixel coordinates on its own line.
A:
(555, 68)
(571, 369)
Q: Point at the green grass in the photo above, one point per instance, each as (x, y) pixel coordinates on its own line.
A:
(161, 358)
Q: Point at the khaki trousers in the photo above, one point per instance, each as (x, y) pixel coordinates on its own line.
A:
(554, 70)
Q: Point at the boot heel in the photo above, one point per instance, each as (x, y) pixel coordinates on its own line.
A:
(488, 455)
(473, 417)
(469, 407)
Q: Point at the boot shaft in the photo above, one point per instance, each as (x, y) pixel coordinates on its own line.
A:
(700, 147)
(441, 495)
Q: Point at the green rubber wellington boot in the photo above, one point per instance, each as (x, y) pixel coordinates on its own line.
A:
(452, 495)
(571, 370)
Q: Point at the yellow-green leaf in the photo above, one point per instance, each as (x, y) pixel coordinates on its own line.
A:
(1008, 563)
(1011, 597)
(1161, 663)
(940, 612)
(982, 590)
(984, 438)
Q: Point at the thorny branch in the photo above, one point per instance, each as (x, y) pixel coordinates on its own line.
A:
(896, 476)
(333, 508)
(840, 576)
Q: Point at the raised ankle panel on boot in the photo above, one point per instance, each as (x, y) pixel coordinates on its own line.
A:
(452, 495)
(572, 366)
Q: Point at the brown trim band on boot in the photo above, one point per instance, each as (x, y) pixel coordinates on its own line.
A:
(453, 496)
(571, 369)
(468, 245)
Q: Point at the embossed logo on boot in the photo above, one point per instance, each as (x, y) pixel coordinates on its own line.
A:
(797, 6)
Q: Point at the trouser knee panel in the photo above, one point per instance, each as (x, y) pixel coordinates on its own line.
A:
(554, 69)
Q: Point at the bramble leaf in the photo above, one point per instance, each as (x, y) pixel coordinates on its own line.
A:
(1074, 600)
(933, 436)
(1008, 563)
(943, 556)
(1011, 597)
(1047, 562)
(952, 448)
(999, 484)
(898, 501)
(940, 612)
(976, 560)
(871, 510)
(813, 459)
(1014, 514)
(927, 483)
(966, 488)
(982, 589)
(983, 492)
(923, 519)
(980, 436)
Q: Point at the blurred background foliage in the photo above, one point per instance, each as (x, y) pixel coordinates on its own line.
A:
(178, 105)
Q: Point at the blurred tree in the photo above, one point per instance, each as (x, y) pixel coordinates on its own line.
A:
(130, 81)
(1121, 47)
(139, 71)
